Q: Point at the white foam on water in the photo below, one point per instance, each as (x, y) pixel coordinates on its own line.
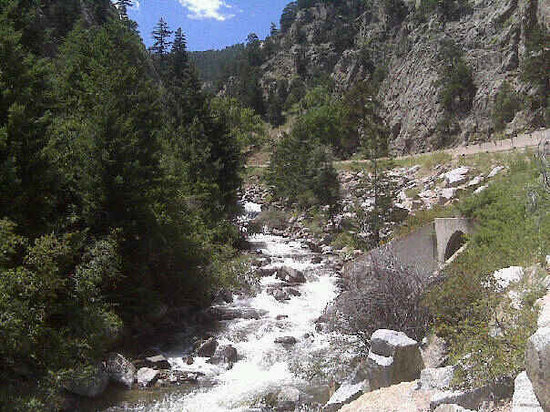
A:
(264, 366)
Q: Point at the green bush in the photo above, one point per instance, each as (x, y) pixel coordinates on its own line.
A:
(455, 79)
(507, 104)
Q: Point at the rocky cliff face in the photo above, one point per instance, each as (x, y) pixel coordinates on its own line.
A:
(351, 40)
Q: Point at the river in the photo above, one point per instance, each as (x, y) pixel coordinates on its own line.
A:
(265, 370)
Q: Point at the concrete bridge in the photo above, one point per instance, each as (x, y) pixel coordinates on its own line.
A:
(429, 247)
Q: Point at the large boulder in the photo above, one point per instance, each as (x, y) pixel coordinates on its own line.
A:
(524, 399)
(89, 382)
(208, 348)
(225, 354)
(393, 358)
(538, 365)
(225, 313)
(157, 362)
(290, 275)
(120, 370)
(147, 377)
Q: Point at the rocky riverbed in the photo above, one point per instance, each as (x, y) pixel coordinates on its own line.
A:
(252, 352)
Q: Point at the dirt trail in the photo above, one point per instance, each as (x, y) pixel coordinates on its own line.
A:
(522, 141)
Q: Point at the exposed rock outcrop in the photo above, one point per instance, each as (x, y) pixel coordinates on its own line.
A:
(349, 41)
(393, 358)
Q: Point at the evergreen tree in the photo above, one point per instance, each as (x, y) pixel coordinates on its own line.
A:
(122, 6)
(273, 30)
(161, 36)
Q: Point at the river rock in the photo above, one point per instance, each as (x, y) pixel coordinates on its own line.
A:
(265, 272)
(223, 313)
(157, 362)
(538, 365)
(393, 358)
(293, 292)
(524, 399)
(316, 259)
(225, 354)
(89, 382)
(287, 399)
(147, 377)
(120, 370)
(290, 275)
(208, 348)
(286, 340)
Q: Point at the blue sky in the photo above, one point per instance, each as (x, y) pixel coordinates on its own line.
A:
(209, 24)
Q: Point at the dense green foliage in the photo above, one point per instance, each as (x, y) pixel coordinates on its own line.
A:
(513, 228)
(118, 181)
(507, 104)
(301, 171)
(535, 70)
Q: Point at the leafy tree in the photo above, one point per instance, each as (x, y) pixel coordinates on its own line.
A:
(244, 124)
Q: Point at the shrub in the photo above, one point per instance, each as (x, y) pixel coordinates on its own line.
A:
(373, 286)
(507, 104)
(455, 79)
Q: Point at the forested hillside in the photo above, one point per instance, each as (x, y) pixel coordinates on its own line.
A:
(118, 183)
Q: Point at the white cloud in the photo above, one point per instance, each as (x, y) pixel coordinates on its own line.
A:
(208, 9)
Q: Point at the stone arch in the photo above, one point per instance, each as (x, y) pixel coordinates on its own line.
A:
(456, 241)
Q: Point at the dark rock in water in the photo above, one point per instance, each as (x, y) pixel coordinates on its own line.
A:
(208, 348)
(290, 275)
(281, 317)
(120, 370)
(88, 383)
(189, 360)
(149, 352)
(265, 272)
(178, 377)
(224, 296)
(293, 292)
(221, 313)
(147, 377)
(281, 295)
(157, 362)
(314, 247)
(286, 340)
(316, 259)
(225, 354)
